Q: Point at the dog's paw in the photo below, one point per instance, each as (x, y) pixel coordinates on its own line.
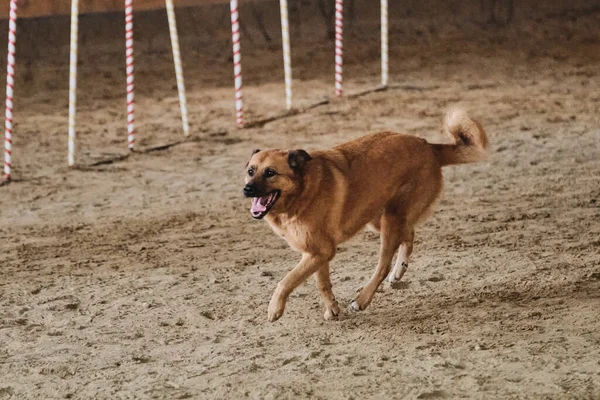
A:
(276, 309)
(393, 281)
(274, 315)
(354, 307)
(332, 313)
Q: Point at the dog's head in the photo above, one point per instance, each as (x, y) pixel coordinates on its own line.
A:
(273, 178)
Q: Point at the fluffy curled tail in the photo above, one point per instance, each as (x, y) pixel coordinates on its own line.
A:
(470, 143)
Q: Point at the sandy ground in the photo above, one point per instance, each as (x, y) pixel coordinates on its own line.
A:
(147, 278)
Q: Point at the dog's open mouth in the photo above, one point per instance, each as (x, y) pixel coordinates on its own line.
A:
(262, 205)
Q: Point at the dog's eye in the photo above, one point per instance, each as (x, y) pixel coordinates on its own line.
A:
(269, 173)
(250, 172)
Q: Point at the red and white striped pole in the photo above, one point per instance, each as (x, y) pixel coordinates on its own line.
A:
(339, 23)
(10, 82)
(129, 64)
(237, 62)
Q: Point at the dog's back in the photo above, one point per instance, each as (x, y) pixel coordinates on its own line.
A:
(393, 171)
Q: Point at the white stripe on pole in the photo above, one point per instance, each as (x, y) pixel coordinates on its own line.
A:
(287, 59)
(178, 67)
(339, 50)
(384, 42)
(73, 81)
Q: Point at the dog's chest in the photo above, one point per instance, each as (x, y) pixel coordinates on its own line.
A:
(290, 230)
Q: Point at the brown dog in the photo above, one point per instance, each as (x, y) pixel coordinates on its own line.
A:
(319, 200)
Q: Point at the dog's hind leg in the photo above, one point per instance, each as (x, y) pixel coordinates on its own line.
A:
(322, 277)
(392, 234)
(404, 252)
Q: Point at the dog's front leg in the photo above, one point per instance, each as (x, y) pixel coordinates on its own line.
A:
(308, 265)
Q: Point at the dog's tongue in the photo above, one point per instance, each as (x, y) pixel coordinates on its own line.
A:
(259, 204)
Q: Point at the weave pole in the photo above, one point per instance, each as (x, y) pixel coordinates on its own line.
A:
(339, 47)
(384, 43)
(10, 82)
(73, 81)
(237, 62)
(129, 64)
(178, 67)
(287, 58)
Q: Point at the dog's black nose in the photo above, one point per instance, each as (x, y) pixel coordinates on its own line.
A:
(249, 190)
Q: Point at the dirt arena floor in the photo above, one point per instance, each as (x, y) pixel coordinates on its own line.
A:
(147, 278)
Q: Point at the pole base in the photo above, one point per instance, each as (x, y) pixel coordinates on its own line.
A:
(6, 180)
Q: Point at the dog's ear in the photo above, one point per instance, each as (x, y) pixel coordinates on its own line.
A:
(297, 159)
(253, 153)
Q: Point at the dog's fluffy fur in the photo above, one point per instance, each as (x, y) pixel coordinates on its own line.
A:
(386, 180)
